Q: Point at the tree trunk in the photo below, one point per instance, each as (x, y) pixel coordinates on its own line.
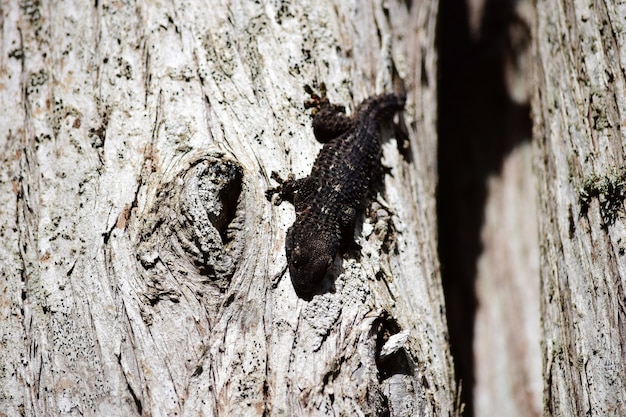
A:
(144, 270)
(488, 242)
(579, 114)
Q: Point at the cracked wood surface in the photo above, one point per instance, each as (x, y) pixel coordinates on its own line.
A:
(579, 115)
(141, 263)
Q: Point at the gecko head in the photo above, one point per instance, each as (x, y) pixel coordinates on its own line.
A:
(309, 259)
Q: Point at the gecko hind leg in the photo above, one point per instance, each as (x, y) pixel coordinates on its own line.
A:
(329, 120)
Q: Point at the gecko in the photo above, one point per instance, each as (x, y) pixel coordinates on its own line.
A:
(328, 200)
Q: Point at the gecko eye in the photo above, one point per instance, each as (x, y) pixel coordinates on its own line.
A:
(299, 258)
(309, 260)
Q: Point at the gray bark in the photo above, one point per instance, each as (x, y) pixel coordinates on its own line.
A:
(142, 266)
(579, 114)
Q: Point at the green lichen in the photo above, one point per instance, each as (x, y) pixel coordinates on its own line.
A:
(610, 190)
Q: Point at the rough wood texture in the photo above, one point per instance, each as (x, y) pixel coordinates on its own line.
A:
(141, 263)
(579, 113)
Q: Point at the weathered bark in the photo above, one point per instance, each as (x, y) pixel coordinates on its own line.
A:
(142, 266)
(579, 114)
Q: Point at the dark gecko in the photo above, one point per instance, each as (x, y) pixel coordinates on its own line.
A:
(327, 201)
